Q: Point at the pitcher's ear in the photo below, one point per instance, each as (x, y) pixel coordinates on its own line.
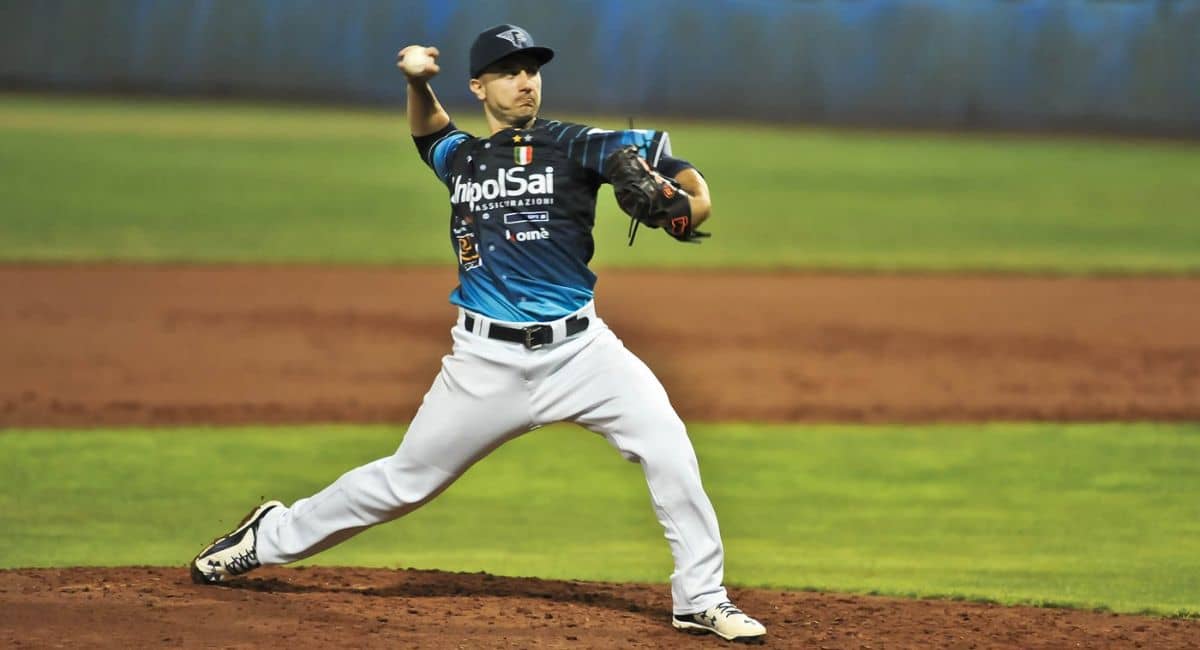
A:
(477, 89)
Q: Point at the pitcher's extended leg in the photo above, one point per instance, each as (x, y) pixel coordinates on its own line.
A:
(475, 405)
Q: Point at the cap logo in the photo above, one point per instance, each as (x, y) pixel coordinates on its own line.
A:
(515, 36)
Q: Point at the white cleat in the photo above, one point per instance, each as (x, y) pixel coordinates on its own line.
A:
(725, 621)
(232, 554)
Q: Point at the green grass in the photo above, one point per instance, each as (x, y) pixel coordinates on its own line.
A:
(102, 179)
(1086, 515)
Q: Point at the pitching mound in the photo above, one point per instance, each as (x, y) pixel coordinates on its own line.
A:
(116, 345)
(119, 345)
(348, 608)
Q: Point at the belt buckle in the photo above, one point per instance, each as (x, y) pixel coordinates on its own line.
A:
(531, 332)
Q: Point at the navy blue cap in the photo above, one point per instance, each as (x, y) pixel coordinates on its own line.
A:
(501, 41)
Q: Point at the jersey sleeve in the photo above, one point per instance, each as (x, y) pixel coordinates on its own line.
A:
(670, 167)
(437, 149)
(589, 146)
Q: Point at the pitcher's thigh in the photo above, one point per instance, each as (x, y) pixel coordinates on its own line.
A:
(466, 414)
(628, 405)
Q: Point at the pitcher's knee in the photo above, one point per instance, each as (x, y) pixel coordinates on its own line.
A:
(673, 471)
(409, 483)
(644, 432)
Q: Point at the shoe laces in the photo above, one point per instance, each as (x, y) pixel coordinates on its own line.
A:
(242, 562)
(728, 609)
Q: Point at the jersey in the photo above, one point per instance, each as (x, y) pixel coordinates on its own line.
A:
(522, 208)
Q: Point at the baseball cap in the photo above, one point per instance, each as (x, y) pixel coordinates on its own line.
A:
(504, 40)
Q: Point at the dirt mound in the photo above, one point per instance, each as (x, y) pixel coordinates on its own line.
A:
(329, 607)
(100, 345)
(118, 345)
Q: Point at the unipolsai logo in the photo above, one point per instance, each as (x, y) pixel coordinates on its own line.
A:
(508, 183)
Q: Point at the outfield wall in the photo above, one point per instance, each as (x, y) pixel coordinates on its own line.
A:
(1120, 64)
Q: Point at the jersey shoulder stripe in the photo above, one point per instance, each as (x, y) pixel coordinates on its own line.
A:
(442, 152)
(588, 145)
(559, 129)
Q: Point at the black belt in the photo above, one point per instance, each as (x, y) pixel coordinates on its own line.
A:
(532, 337)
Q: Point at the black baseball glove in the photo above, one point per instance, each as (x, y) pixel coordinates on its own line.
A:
(649, 197)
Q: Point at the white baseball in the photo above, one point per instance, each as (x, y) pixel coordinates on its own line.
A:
(415, 61)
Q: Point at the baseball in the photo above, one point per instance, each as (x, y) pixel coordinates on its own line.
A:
(414, 61)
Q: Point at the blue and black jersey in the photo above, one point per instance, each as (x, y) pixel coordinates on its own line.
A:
(523, 203)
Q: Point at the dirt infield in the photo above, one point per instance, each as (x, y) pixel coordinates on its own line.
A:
(87, 346)
(341, 608)
(115, 345)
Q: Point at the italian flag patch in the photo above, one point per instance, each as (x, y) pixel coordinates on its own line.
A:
(523, 155)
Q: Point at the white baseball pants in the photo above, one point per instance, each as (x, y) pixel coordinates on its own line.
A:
(489, 392)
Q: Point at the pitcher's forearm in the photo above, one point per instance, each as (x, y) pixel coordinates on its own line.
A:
(425, 112)
(698, 198)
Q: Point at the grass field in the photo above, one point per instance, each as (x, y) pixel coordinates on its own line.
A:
(1086, 515)
(100, 179)
(1100, 515)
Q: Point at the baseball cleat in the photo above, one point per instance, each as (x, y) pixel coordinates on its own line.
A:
(725, 621)
(232, 554)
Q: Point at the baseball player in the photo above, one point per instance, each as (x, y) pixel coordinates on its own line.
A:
(529, 347)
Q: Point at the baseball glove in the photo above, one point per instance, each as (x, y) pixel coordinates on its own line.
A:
(648, 197)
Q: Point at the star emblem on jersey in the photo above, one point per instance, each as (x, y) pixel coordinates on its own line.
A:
(522, 155)
(515, 36)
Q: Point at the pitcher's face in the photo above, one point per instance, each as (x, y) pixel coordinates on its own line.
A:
(511, 90)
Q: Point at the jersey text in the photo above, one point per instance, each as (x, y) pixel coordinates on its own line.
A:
(511, 182)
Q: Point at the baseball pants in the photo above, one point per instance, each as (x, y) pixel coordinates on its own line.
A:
(489, 392)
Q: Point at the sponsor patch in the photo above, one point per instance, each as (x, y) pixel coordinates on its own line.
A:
(513, 218)
(512, 183)
(468, 254)
(526, 235)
